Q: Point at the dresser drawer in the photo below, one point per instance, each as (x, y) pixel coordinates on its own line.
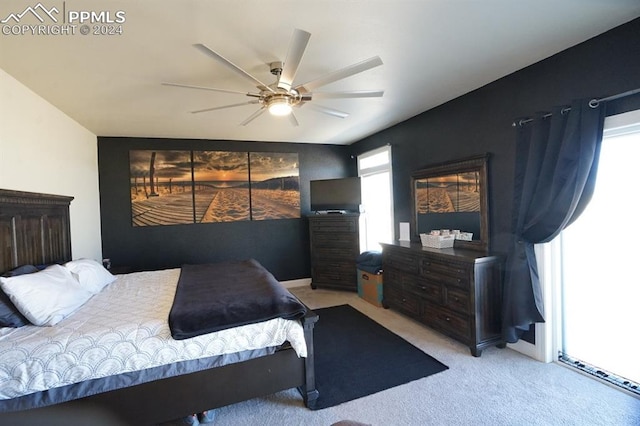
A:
(457, 300)
(394, 296)
(423, 288)
(429, 265)
(412, 285)
(333, 226)
(334, 239)
(391, 276)
(447, 280)
(335, 275)
(456, 275)
(343, 266)
(405, 261)
(448, 321)
(341, 253)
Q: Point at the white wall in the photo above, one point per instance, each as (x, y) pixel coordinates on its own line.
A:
(44, 150)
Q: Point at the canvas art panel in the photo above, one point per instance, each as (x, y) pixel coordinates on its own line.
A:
(224, 177)
(160, 187)
(275, 185)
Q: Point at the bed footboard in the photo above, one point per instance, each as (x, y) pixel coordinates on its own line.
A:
(173, 397)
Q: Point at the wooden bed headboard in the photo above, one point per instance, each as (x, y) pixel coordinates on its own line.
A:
(34, 229)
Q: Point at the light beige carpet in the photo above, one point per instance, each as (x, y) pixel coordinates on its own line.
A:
(502, 387)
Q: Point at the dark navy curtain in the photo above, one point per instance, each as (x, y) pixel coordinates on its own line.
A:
(555, 172)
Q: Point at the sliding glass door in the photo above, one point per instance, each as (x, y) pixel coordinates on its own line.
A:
(600, 253)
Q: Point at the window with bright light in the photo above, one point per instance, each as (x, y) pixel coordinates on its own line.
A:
(600, 291)
(374, 169)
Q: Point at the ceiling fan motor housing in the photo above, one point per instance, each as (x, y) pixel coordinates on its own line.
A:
(276, 67)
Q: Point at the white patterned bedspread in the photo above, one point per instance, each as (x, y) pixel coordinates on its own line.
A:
(122, 329)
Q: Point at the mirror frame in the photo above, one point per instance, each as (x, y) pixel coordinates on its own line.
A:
(477, 163)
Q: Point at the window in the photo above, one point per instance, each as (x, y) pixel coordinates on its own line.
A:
(374, 169)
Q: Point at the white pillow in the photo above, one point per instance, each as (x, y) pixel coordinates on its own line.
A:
(46, 297)
(90, 274)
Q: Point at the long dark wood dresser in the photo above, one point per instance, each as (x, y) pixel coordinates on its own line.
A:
(457, 292)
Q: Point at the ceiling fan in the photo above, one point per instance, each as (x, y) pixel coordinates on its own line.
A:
(280, 97)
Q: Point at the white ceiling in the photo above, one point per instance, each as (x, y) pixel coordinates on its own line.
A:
(433, 51)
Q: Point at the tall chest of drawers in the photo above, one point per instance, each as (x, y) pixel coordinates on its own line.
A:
(335, 245)
(456, 292)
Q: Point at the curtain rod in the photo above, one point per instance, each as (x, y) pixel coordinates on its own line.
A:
(593, 103)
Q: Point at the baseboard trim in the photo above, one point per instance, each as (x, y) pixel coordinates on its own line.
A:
(525, 348)
(296, 283)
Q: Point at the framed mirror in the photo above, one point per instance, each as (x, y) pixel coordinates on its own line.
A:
(453, 196)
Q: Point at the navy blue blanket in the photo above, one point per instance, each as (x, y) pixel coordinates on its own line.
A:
(217, 296)
(370, 261)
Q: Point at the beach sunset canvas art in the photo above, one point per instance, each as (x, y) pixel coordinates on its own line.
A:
(181, 187)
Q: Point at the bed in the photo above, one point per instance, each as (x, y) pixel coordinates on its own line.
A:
(34, 229)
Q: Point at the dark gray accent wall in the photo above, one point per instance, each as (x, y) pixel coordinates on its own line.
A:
(481, 121)
(282, 246)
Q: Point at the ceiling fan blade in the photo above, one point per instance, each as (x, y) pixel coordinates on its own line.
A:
(329, 111)
(347, 95)
(253, 116)
(297, 47)
(293, 120)
(340, 74)
(188, 86)
(224, 61)
(224, 107)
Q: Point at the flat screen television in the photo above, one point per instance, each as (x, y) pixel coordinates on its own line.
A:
(336, 195)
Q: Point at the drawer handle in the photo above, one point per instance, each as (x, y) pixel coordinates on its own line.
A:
(456, 299)
(448, 319)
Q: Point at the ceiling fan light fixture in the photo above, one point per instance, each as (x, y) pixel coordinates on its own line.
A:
(279, 105)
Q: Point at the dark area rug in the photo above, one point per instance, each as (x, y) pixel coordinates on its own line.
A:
(355, 357)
